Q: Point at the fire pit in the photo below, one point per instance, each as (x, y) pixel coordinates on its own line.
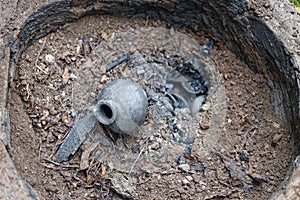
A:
(221, 86)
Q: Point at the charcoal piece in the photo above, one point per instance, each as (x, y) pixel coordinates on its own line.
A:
(177, 137)
(135, 149)
(117, 62)
(190, 140)
(207, 47)
(244, 156)
(188, 149)
(75, 137)
(198, 168)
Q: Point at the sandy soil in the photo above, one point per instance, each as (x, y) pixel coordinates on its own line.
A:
(253, 148)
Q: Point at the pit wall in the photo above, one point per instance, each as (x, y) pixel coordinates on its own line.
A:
(241, 25)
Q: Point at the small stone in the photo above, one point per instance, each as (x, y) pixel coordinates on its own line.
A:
(53, 111)
(196, 178)
(276, 138)
(73, 58)
(74, 113)
(49, 58)
(184, 167)
(160, 154)
(53, 122)
(134, 149)
(181, 160)
(155, 146)
(68, 103)
(185, 182)
(197, 104)
(257, 117)
(189, 178)
(104, 78)
(140, 70)
(276, 125)
(204, 125)
(205, 107)
(73, 76)
(178, 126)
(177, 137)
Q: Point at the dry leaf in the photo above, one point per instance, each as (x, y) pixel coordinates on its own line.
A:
(104, 175)
(84, 163)
(17, 33)
(65, 76)
(104, 35)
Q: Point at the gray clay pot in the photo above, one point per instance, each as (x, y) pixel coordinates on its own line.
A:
(122, 106)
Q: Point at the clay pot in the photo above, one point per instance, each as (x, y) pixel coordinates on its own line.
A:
(122, 106)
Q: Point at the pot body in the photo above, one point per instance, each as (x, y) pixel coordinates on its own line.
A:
(122, 106)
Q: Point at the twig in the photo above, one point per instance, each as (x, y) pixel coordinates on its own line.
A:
(222, 196)
(40, 150)
(28, 91)
(61, 165)
(38, 56)
(145, 181)
(137, 158)
(116, 63)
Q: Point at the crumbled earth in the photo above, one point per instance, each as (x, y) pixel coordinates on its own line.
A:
(234, 148)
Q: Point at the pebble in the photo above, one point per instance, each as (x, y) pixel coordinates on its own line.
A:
(181, 160)
(155, 146)
(140, 70)
(184, 167)
(49, 58)
(197, 104)
(177, 137)
(74, 113)
(204, 125)
(134, 149)
(52, 110)
(196, 178)
(188, 149)
(73, 76)
(189, 178)
(53, 122)
(190, 140)
(185, 182)
(276, 138)
(104, 78)
(160, 154)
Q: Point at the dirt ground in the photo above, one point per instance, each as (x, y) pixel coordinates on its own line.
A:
(247, 159)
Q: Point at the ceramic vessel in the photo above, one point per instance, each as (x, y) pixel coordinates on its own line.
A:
(122, 106)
